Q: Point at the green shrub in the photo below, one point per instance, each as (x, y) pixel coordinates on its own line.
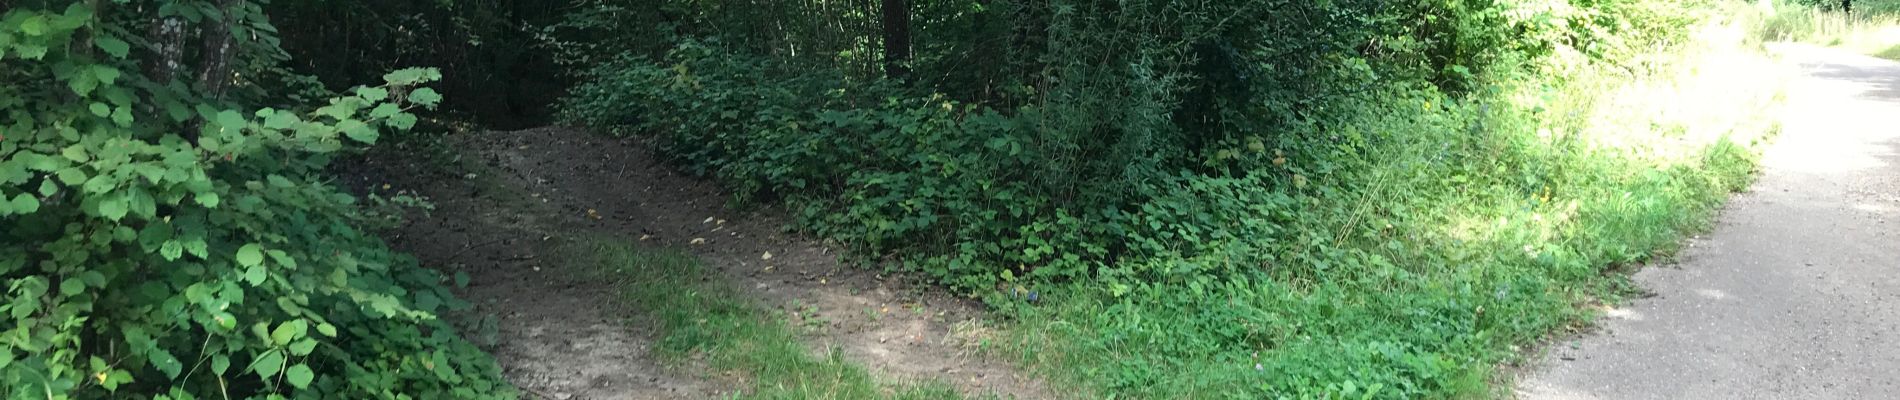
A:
(157, 241)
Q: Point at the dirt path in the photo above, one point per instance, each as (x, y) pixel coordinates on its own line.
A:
(556, 337)
(1796, 294)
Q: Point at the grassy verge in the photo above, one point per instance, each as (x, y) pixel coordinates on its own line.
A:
(1463, 237)
(705, 320)
(1874, 32)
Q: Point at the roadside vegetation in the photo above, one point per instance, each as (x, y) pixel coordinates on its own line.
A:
(1173, 204)
(1160, 199)
(1872, 28)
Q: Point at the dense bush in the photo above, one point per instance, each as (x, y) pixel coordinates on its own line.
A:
(169, 237)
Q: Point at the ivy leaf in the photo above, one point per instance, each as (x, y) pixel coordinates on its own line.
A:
(112, 45)
(300, 375)
(250, 255)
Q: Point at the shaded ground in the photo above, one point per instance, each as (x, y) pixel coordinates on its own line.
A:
(559, 336)
(1796, 293)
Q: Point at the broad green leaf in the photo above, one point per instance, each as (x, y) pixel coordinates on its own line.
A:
(288, 331)
(254, 275)
(230, 120)
(282, 258)
(250, 254)
(165, 362)
(47, 188)
(77, 153)
(402, 122)
(299, 375)
(373, 94)
(70, 287)
(326, 329)
(25, 204)
(100, 109)
(280, 120)
(426, 97)
(106, 75)
(172, 250)
(71, 176)
(112, 45)
(82, 84)
(303, 347)
(358, 131)
(385, 110)
(269, 364)
(220, 363)
(34, 26)
(113, 207)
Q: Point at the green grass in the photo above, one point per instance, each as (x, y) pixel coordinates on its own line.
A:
(1462, 237)
(702, 319)
(1873, 30)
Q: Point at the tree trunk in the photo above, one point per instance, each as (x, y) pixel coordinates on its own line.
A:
(896, 39)
(168, 48)
(217, 52)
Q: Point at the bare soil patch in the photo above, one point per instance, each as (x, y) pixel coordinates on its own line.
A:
(558, 335)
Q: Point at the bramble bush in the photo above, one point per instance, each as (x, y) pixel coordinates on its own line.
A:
(172, 239)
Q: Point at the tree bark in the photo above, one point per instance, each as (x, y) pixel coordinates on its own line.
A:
(896, 15)
(168, 48)
(217, 51)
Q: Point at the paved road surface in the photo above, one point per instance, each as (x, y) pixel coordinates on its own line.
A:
(1796, 293)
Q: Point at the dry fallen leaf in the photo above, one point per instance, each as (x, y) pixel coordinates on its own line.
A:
(767, 256)
(707, 221)
(645, 237)
(698, 241)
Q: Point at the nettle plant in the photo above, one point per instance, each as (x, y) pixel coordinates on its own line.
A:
(165, 240)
